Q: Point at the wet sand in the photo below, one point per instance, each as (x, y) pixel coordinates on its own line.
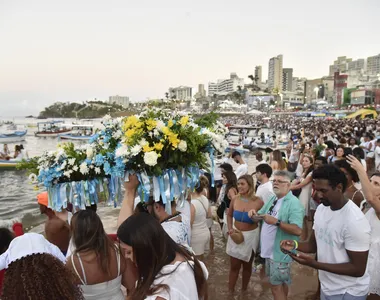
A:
(305, 279)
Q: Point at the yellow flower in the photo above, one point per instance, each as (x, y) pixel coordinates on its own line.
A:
(158, 146)
(139, 124)
(146, 148)
(150, 124)
(130, 132)
(130, 122)
(184, 120)
(170, 123)
(165, 130)
(174, 140)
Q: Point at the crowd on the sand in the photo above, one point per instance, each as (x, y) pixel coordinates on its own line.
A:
(327, 177)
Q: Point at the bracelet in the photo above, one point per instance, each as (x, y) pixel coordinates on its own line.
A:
(295, 245)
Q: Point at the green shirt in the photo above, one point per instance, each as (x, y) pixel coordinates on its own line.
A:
(291, 212)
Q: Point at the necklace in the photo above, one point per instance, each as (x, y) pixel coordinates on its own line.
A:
(244, 199)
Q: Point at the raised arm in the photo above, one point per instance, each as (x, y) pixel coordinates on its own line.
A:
(127, 206)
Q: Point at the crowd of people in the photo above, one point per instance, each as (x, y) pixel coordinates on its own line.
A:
(316, 203)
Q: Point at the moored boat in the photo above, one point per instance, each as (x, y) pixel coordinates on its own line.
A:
(79, 132)
(52, 128)
(13, 137)
(6, 164)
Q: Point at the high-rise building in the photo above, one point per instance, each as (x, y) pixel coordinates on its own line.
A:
(275, 73)
(225, 86)
(313, 90)
(119, 100)
(340, 65)
(356, 65)
(287, 79)
(259, 74)
(373, 65)
(201, 90)
(181, 93)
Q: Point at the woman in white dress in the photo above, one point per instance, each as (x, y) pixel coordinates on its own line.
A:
(200, 211)
(96, 260)
(371, 192)
(305, 183)
(167, 271)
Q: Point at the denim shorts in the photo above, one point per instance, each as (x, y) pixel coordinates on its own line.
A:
(278, 272)
(345, 296)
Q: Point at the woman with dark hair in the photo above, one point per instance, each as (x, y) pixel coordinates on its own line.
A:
(166, 270)
(360, 155)
(351, 191)
(305, 184)
(243, 232)
(229, 192)
(35, 271)
(339, 154)
(96, 259)
(200, 212)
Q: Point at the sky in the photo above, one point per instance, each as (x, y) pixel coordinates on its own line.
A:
(78, 50)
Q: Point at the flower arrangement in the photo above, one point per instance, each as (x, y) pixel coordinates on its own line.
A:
(79, 174)
(167, 152)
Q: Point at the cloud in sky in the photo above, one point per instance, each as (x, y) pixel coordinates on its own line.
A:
(75, 50)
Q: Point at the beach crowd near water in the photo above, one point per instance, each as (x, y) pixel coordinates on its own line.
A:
(310, 208)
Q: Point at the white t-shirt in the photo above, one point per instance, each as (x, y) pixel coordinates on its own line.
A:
(265, 191)
(377, 158)
(335, 233)
(178, 231)
(268, 233)
(180, 280)
(241, 170)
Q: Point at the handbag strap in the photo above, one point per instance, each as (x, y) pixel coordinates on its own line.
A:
(203, 206)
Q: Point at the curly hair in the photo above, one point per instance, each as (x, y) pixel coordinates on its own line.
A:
(40, 277)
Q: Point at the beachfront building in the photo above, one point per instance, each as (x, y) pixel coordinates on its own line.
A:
(287, 79)
(313, 90)
(275, 73)
(373, 65)
(292, 99)
(119, 100)
(340, 65)
(259, 74)
(181, 93)
(225, 86)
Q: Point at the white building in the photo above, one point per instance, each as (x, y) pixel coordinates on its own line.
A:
(373, 65)
(225, 86)
(357, 65)
(292, 99)
(119, 100)
(181, 93)
(275, 73)
(340, 65)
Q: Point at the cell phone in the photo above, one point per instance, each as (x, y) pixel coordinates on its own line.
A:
(293, 252)
(257, 218)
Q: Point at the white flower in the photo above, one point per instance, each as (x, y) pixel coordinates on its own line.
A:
(156, 133)
(92, 166)
(106, 146)
(122, 151)
(75, 168)
(97, 170)
(135, 150)
(89, 152)
(67, 173)
(143, 142)
(83, 168)
(71, 161)
(182, 146)
(160, 124)
(117, 134)
(150, 158)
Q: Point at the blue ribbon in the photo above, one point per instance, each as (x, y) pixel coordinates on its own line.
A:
(162, 188)
(156, 189)
(92, 191)
(171, 182)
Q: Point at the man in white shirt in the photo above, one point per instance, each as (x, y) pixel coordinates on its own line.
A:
(341, 236)
(242, 169)
(259, 158)
(265, 189)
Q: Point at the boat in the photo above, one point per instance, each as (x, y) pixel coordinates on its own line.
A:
(6, 164)
(79, 132)
(13, 137)
(52, 128)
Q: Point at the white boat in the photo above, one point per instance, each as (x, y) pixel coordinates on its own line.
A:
(13, 137)
(52, 128)
(79, 132)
